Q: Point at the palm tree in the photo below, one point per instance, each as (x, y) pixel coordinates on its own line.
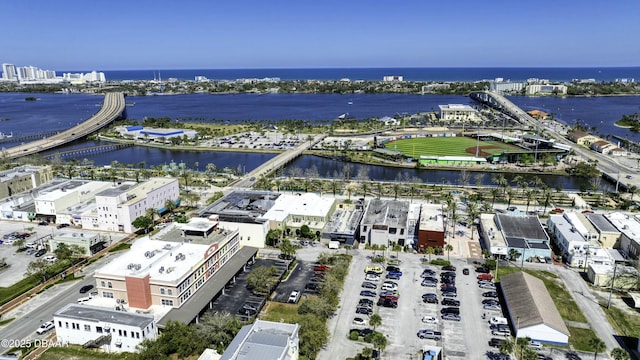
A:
(379, 188)
(632, 189)
(169, 205)
(620, 354)
(597, 345)
(396, 190)
(448, 248)
(506, 347)
(151, 214)
(522, 343)
(365, 187)
(367, 352)
(430, 251)
(501, 181)
(379, 341)
(375, 320)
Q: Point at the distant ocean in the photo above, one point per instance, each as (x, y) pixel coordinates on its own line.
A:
(409, 74)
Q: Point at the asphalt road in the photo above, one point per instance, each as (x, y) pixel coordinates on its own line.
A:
(41, 308)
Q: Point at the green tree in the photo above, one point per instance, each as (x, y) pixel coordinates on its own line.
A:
(375, 320)
(169, 206)
(219, 328)
(273, 236)
(151, 213)
(597, 345)
(287, 248)
(448, 248)
(317, 306)
(142, 222)
(506, 347)
(430, 251)
(38, 268)
(305, 232)
(379, 341)
(367, 352)
(521, 344)
(262, 279)
(64, 251)
(620, 354)
(313, 335)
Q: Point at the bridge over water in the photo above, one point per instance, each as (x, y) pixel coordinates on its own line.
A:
(112, 108)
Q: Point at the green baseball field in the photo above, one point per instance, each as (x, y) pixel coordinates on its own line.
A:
(448, 146)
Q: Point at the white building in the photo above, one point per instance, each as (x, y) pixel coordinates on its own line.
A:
(161, 135)
(385, 223)
(97, 327)
(168, 272)
(265, 340)
(117, 207)
(392, 78)
(9, 72)
(91, 243)
(629, 226)
(546, 89)
(293, 211)
(569, 238)
(81, 78)
(72, 193)
(499, 85)
(458, 113)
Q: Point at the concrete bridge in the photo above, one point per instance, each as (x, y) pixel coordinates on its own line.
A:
(112, 108)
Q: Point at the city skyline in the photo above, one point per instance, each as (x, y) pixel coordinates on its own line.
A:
(286, 34)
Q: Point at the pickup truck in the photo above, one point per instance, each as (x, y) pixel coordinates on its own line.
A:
(429, 334)
(487, 277)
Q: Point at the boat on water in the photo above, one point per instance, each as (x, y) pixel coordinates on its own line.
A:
(5, 136)
(350, 102)
(346, 116)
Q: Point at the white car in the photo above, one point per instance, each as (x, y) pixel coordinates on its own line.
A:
(85, 299)
(371, 277)
(51, 258)
(429, 320)
(359, 321)
(45, 327)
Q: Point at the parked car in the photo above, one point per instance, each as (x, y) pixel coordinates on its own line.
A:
(372, 277)
(321, 267)
(491, 294)
(393, 293)
(450, 310)
(312, 287)
(365, 302)
(495, 342)
(393, 276)
(395, 273)
(60, 226)
(490, 301)
(40, 252)
(483, 270)
(430, 300)
(294, 297)
(359, 321)
(450, 302)
(429, 283)
(45, 327)
(429, 334)
(363, 310)
(489, 286)
(388, 303)
(368, 293)
(465, 271)
(492, 307)
(373, 268)
(449, 268)
(369, 285)
(43, 223)
(485, 276)
(429, 319)
(51, 258)
(450, 316)
(85, 289)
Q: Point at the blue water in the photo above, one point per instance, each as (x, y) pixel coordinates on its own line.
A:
(409, 74)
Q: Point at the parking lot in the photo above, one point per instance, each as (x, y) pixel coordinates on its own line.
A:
(19, 261)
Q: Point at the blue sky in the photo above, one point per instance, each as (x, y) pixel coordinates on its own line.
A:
(189, 34)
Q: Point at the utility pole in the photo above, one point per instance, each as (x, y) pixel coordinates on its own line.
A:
(613, 280)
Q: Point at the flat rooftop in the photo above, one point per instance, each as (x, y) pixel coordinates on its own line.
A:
(18, 172)
(601, 223)
(524, 226)
(162, 260)
(389, 212)
(626, 224)
(242, 206)
(53, 192)
(431, 218)
(103, 315)
(116, 190)
(344, 221)
(307, 204)
(140, 191)
(568, 231)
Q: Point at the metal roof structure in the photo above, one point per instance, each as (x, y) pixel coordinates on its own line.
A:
(521, 226)
(262, 340)
(242, 206)
(529, 303)
(601, 223)
(104, 315)
(388, 212)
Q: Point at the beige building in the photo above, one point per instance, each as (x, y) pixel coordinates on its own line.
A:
(458, 113)
(91, 243)
(168, 272)
(23, 178)
(608, 235)
(626, 277)
(546, 89)
(49, 203)
(582, 138)
(293, 211)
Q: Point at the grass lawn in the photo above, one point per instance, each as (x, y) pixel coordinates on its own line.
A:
(624, 323)
(580, 338)
(565, 304)
(277, 312)
(446, 146)
(78, 353)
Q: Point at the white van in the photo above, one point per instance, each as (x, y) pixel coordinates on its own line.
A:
(502, 332)
(294, 297)
(498, 320)
(334, 244)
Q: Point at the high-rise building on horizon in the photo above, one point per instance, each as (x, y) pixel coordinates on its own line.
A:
(9, 72)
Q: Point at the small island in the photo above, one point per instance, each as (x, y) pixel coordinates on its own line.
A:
(31, 98)
(632, 122)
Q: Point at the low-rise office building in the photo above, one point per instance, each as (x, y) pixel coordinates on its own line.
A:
(458, 113)
(492, 237)
(293, 211)
(65, 197)
(23, 178)
(608, 235)
(167, 272)
(344, 225)
(90, 243)
(97, 327)
(385, 223)
(629, 227)
(577, 251)
(431, 228)
(265, 340)
(524, 234)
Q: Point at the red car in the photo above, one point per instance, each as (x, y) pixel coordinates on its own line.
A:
(557, 211)
(487, 277)
(321, 267)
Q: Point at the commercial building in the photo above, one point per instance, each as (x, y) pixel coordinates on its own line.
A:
(576, 250)
(501, 86)
(582, 138)
(492, 238)
(344, 225)
(21, 206)
(546, 89)
(523, 234)
(97, 327)
(118, 206)
(265, 340)
(167, 272)
(90, 243)
(608, 235)
(50, 202)
(393, 78)
(161, 135)
(292, 211)
(244, 209)
(626, 277)
(431, 228)
(9, 72)
(629, 227)
(23, 178)
(458, 113)
(531, 310)
(385, 223)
